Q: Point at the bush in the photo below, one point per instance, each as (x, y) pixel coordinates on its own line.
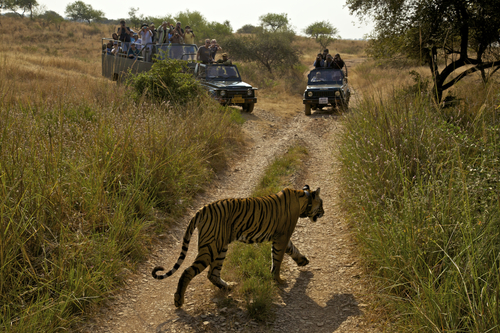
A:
(168, 80)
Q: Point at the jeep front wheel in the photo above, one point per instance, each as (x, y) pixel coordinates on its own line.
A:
(308, 109)
(248, 107)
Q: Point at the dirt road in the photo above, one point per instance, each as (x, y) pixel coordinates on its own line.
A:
(328, 295)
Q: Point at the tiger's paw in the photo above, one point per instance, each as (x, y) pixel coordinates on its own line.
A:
(302, 261)
(230, 285)
(178, 300)
(280, 280)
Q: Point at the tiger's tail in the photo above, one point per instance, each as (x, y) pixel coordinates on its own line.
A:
(182, 256)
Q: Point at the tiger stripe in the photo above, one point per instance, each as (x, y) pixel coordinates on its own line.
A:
(250, 220)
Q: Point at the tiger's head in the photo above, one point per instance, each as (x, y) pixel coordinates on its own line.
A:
(314, 209)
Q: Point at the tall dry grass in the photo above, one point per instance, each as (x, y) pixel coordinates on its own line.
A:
(421, 184)
(87, 176)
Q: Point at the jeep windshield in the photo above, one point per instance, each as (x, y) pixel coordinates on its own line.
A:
(325, 76)
(223, 73)
(177, 51)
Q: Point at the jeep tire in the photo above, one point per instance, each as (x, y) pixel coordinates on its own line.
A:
(308, 109)
(248, 107)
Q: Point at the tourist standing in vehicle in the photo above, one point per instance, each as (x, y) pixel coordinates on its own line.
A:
(189, 35)
(325, 54)
(163, 33)
(124, 34)
(176, 38)
(328, 62)
(204, 53)
(319, 62)
(338, 63)
(224, 60)
(214, 47)
(146, 38)
(154, 33)
(178, 29)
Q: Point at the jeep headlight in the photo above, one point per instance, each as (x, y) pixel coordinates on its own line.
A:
(310, 94)
(249, 92)
(337, 93)
(223, 93)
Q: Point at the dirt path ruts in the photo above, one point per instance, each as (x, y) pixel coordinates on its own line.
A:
(328, 295)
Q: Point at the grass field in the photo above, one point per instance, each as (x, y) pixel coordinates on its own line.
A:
(422, 189)
(87, 175)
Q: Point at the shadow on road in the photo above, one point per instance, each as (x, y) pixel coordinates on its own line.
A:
(307, 315)
(300, 314)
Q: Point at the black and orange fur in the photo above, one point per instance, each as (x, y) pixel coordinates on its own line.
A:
(251, 220)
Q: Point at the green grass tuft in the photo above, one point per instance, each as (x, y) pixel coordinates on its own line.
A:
(250, 265)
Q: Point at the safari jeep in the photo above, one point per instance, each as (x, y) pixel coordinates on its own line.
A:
(326, 86)
(117, 67)
(224, 83)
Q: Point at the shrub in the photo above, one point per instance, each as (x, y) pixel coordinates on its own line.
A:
(168, 80)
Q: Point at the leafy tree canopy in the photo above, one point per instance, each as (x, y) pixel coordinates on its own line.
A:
(275, 22)
(198, 23)
(19, 5)
(463, 32)
(323, 32)
(271, 50)
(52, 17)
(246, 29)
(80, 11)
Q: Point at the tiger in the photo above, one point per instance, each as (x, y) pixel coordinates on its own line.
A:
(249, 220)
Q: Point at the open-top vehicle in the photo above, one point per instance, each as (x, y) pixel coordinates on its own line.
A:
(116, 67)
(224, 83)
(326, 86)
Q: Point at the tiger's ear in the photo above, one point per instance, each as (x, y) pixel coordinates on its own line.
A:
(317, 191)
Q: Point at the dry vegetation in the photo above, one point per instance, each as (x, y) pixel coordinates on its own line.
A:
(87, 175)
(421, 184)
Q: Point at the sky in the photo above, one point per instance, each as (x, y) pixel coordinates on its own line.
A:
(300, 13)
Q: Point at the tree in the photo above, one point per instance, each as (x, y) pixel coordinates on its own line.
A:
(18, 5)
(135, 21)
(460, 32)
(275, 22)
(52, 17)
(80, 11)
(246, 29)
(271, 50)
(323, 32)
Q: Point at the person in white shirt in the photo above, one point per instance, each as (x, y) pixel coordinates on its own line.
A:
(146, 41)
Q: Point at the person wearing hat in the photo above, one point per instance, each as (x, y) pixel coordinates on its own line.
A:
(189, 35)
(214, 47)
(178, 29)
(133, 52)
(154, 32)
(146, 41)
(224, 60)
(116, 48)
